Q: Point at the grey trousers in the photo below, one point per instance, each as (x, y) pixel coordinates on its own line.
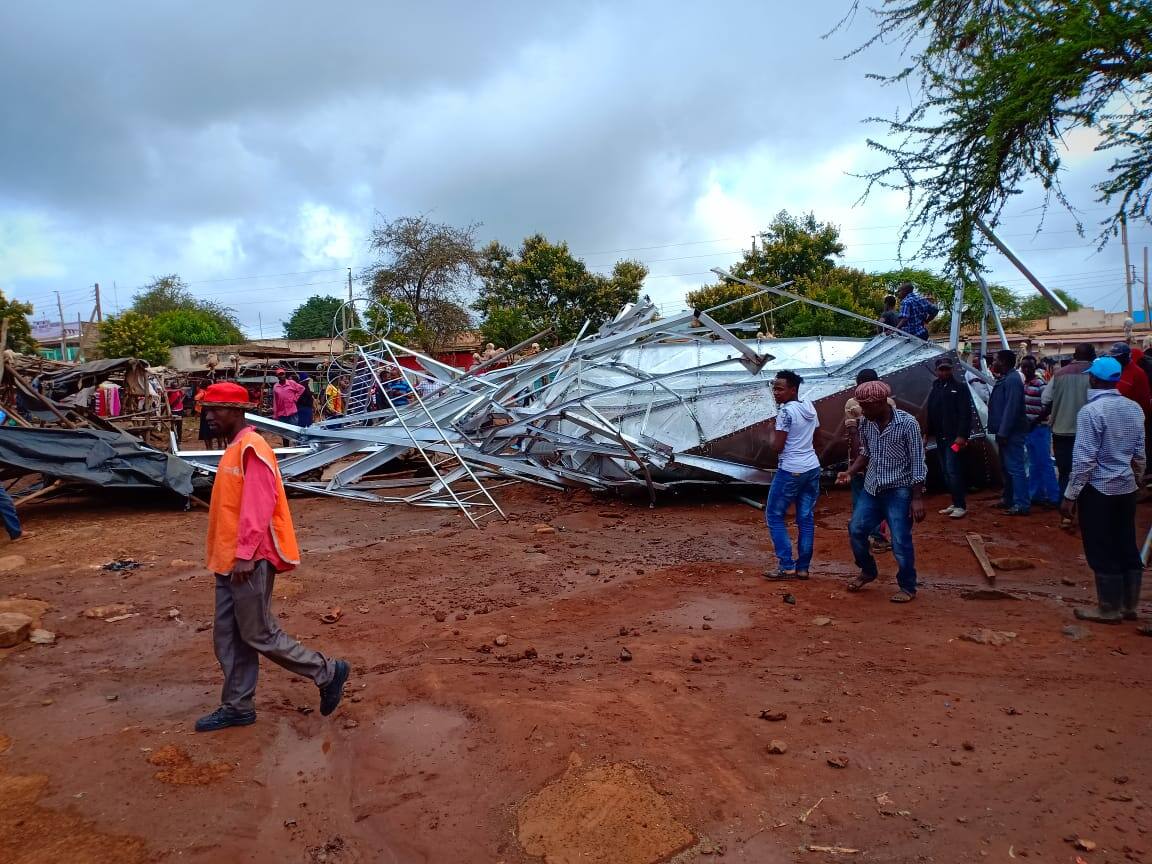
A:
(245, 629)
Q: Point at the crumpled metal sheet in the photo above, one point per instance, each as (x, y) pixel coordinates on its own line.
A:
(643, 402)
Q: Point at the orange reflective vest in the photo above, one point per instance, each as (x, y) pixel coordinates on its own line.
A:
(224, 512)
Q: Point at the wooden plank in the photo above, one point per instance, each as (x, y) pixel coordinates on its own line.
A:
(977, 544)
(19, 502)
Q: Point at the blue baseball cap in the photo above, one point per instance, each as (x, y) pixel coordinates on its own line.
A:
(1104, 368)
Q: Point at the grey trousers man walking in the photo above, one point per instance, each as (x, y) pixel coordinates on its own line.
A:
(245, 629)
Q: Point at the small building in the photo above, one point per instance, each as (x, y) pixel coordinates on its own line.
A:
(80, 339)
(1058, 335)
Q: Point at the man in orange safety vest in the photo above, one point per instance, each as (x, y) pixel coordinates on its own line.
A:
(250, 540)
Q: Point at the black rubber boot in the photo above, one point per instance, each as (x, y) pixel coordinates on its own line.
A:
(1110, 599)
(1132, 582)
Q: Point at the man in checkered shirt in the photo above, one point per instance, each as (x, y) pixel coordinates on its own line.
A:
(915, 310)
(892, 461)
(1107, 460)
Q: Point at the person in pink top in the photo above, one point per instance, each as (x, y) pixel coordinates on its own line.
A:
(285, 394)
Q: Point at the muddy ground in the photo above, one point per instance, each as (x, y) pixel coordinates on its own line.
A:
(900, 739)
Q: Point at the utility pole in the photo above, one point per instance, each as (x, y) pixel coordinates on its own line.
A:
(1147, 306)
(63, 333)
(80, 338)
(260, 323)
(1127, 266)
(99, 311)
(347, 309)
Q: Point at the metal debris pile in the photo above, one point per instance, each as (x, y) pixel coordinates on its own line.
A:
(645, 402)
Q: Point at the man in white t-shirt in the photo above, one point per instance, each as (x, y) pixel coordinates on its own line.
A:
(797, 480)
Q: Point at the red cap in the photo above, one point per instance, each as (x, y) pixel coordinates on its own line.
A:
(225, 394)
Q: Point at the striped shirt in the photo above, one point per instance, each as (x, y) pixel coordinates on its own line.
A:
(1034, 398)
(895, 455)
(1109, 449)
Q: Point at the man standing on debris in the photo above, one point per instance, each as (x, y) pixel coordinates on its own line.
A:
(250, 540)
(285, 395)
(334, 397)
(1062, 399)
(797, 478)
(1043, 487)
(1008, 422)
(1107, 463)
(950, 423)
(892, 462)
(852, 417)
(915, 311)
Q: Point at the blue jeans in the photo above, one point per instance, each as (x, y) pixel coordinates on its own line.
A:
(802, 490)
(8, 515)
(1014, 462)
(952, 470)
(895, 506)
(857, 487)
(1043, 487)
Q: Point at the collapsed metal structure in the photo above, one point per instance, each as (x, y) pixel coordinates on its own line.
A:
(645, 402)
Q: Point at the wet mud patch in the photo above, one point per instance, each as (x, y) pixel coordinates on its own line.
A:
(607, 814)
(178, 769)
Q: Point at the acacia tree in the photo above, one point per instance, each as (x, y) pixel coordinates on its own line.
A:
(999, 84)
(431, 269)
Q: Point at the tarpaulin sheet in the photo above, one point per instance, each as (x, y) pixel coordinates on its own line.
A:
(93, 457)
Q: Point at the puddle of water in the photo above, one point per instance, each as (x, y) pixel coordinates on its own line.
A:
(722, 612)
(421, 735)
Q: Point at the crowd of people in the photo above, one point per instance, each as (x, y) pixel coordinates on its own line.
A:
(1073, 440)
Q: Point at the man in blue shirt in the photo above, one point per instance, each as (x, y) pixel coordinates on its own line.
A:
(915, 310)
(1107, 460)
(1009, 423)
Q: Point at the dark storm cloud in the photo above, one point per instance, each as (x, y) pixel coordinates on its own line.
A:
(139, 125)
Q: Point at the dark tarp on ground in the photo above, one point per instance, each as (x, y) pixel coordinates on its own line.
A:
(92, 457)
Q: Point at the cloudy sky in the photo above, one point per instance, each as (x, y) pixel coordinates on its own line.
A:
(249, 147)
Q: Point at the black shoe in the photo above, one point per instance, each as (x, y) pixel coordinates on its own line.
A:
(1017, 511)
(332, 692)
(224, 717)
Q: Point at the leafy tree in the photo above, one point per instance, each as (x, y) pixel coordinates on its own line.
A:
(792, 247)
(507, 327)
(431, 268)
(170, 294)
(132, 334)
(726, 292)
(1000, 85)
(801, 250)
(544, 286)
(844, 287)
(1036, 307)
(193, 327)
(19, 330)
(315, 318)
